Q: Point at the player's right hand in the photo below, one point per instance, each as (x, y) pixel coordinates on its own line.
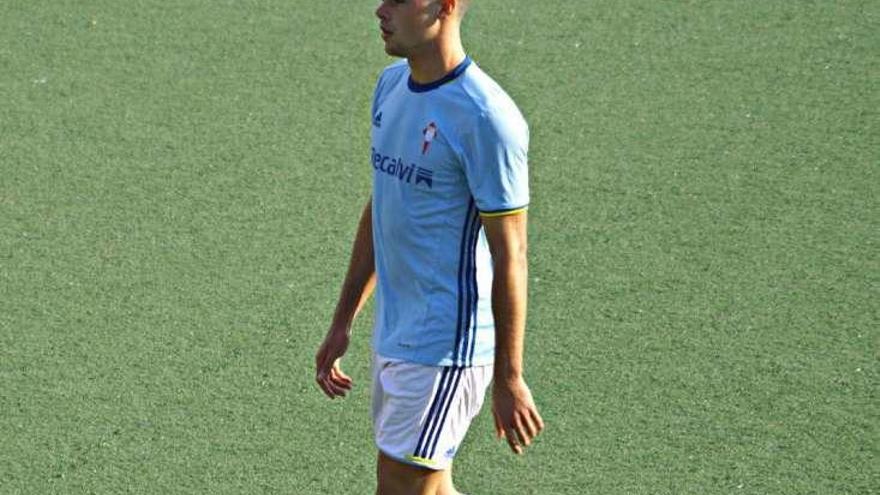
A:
(328, 374)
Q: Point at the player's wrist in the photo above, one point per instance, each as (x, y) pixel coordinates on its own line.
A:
(343, 319)
(507, 374)
(339, 329)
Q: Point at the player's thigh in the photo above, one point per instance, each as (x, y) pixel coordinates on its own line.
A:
(398, 478)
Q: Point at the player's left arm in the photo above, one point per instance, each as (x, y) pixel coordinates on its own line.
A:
(516, 416)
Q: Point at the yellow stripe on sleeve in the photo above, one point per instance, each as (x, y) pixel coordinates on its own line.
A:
(504, 213)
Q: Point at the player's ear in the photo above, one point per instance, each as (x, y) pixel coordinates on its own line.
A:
(447, 8)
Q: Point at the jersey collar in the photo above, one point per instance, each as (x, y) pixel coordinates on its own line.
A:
(451, 76)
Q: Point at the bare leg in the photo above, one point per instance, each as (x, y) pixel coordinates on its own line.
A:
(397, 478)
(446, 486)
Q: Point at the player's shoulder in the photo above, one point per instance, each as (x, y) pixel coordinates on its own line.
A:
(485, 94)
(489, 104)
(394, 72)
(390, 77)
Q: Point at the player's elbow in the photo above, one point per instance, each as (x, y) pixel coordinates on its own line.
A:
(513, 254)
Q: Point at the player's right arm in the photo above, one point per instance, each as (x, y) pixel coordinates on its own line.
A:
(360, 280)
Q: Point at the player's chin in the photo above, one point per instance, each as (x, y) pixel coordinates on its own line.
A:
(394, 51)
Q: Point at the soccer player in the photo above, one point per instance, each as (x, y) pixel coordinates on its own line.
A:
(443, 243)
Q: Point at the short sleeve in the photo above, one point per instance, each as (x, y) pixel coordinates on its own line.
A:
(495, 157)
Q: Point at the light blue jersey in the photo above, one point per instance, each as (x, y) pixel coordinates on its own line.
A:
(443, 154)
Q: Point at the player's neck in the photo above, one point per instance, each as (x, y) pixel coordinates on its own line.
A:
(436, 60)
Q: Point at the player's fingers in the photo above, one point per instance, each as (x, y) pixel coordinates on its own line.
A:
(340, 387)
(327, 364)
(529, 425)
(340, 379)
(322, 384)
(338, 373)
(322, 374)
(334, 389)
(537, 420)
(510, 434)
(499, 430)
(345, 377)
(525, 439)
(347, 385)
(324, 380)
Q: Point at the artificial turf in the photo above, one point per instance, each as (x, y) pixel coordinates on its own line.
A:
(180, 183)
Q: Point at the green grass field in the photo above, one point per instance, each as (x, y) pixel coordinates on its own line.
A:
(180, 183)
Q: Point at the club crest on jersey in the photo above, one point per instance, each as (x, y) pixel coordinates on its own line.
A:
(428, 133)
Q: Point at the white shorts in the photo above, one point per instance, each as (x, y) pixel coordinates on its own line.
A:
(421, 413)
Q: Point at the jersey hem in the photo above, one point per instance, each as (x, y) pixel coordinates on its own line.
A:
(445, 362)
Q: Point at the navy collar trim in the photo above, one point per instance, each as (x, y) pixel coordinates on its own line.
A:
(451, 76)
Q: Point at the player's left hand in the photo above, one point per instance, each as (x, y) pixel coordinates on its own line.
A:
(516, 416)
(328, 373)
